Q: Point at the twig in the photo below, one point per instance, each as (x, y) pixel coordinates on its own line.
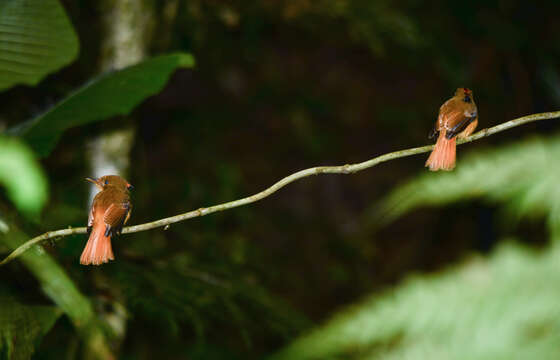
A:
(343, 169)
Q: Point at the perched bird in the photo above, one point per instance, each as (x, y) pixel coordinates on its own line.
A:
(110, 210)
(458, 117)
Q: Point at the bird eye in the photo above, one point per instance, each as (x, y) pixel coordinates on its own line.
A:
(106, 182)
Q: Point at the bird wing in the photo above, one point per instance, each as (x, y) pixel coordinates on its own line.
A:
(454, 117)
(117, 214)
(450, 116)
(462, 125)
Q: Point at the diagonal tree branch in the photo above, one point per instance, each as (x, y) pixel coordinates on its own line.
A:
(343, 169)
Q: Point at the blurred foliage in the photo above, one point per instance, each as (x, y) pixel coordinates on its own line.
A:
(111, 94)
(25, 182)
(36, 38)
(203, 299)
(280, 86)
(61, 290)
(115, 93)
(522, 177)
(501, 307)
(21, 325)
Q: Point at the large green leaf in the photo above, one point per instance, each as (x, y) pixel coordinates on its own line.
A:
(22, 327)
(111, 94)
(21, 174)
(36, 38)
(504, 307)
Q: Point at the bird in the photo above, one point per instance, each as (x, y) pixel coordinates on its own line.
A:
(458, 118)
(110, 210)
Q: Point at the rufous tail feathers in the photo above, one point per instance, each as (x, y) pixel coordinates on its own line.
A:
(98, 249)
(443, 155)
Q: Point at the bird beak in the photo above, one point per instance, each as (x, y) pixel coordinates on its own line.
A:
(129, 187)
(95, 182)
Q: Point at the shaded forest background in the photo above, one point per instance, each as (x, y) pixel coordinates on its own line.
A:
(279, 86)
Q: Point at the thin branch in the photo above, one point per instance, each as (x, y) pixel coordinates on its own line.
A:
(343, 169)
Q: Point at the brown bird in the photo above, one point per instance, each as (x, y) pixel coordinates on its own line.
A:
(458, 117)
(110, 210)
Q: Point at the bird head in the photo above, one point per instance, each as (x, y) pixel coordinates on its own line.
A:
(111, 180)
(465, 94)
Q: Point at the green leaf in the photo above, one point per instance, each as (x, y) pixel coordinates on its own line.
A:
(111, 94)
(23, 326)
(503, 307)
(25, 182)
(523, 177)
(36, 38)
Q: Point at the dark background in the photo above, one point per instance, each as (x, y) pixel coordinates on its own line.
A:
(280, 86)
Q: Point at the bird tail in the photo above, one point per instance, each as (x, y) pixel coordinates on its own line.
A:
(98, 249)
(443, 155)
